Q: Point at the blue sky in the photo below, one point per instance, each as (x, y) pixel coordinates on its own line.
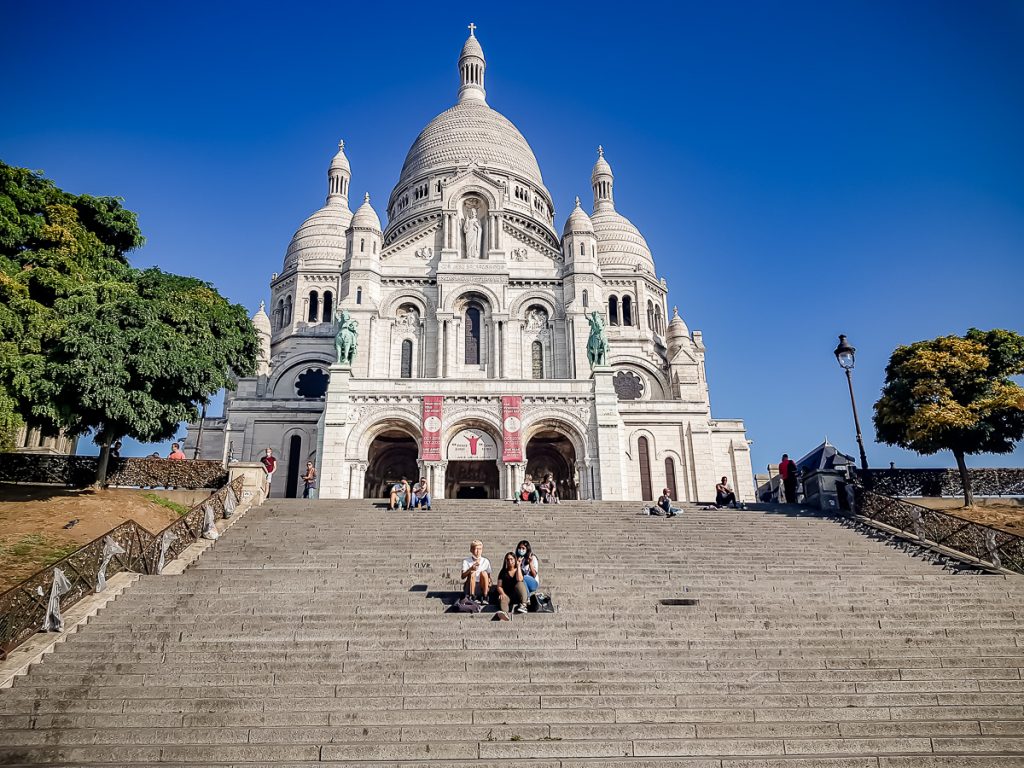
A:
(800, 169)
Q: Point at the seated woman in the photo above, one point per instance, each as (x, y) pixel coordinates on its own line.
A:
(512, 593)
(665, 503)
(528, 491)
(400, 495)
(548, 490)
(724, 495)
(528, 565)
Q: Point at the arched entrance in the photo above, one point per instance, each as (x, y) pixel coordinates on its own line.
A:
(392, 456)
(472, 471)
(551, 452)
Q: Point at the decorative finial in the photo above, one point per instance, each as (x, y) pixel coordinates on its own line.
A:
(600, 151)
(341, 145)
(263, 306)
(577, 201)
(675, 312)
(366, 198)
(472, 28)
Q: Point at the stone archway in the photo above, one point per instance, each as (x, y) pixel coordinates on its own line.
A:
(472, 464)
(392, 455)
(549, 451)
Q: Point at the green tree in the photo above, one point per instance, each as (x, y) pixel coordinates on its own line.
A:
(89, 344)
(954, 393)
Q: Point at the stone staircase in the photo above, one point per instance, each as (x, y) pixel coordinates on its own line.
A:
(316, 632)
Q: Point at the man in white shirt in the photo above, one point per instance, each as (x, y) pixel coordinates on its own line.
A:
(476, 572)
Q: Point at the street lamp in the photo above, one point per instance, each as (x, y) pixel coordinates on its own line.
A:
(846, 355)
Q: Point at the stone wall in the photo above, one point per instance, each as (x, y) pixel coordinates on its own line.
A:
(80, 471)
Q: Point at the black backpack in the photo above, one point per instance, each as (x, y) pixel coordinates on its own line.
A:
(540, 603)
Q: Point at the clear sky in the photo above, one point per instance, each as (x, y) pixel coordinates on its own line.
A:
(799, 169)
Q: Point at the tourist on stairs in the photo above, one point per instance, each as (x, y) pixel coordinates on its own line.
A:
(528, 491)
(665, 504)
(788, 470)
(476, 573)
(421, 495)
(512, 592)
(528, 564)
(400, 495)
(549, 491)
(308, 480)
(724, 495)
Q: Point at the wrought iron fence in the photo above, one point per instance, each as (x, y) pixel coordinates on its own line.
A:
(80, 471)
(24, 607)
(975, 541)
(1008, 481)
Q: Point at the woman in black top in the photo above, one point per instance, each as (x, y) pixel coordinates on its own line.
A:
(511, 587)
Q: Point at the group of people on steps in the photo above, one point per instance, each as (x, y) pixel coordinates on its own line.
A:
(518, 578)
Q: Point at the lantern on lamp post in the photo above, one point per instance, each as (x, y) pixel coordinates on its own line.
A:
(846, 355)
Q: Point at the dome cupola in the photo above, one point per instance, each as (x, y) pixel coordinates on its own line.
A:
(365, 217)
(338, 176)
(471, 69)
(619, 244)
(601, 179)
(578, 222)
(320, 241)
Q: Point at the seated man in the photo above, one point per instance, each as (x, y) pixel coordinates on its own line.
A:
(724, 495)
(665, 504)
(548, 490)
(421, 495)
(476, 573)
(528, 491)
(400, 495)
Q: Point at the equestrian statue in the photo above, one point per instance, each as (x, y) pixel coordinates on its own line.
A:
(345, 338)
(597, 344)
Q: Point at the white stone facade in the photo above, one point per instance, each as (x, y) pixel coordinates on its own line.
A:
(470, 293)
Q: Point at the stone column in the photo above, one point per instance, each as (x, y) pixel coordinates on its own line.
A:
(357, 484)
(334, 480)
(609, 480)
(437, 486)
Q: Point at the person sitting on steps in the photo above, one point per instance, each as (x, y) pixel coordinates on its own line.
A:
(476, 573)
(724, 495)
(512, 592)
(528, 491)
(665, 504)
(548, 490)
(529, 565)
(400, 495)
(421, 495)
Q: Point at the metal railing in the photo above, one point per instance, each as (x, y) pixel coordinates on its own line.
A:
(981, 543)
(1007, 481)
(23, 608)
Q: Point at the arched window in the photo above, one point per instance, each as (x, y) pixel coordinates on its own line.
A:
(362, 244)
(374, 246)
(328, 314)
(288, 310)
(650, 315)
(613, 310)
(314, 306)
(407, 359)
(294, 460)
(359, 295)
(670, 477)
(279, 315)
(627, 310)
(583, 252)
(645, 469)
(586, 299)
(538, 360)
(472, 340)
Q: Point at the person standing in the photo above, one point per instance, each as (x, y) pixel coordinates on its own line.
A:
(308, 480)
(269, 462)
(788, 472)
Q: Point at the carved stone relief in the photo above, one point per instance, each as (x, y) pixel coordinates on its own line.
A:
(628, 385)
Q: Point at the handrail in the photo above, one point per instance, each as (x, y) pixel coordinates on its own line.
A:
(979, 542)
(23, 606)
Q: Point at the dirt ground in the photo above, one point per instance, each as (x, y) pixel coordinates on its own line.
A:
(32, 520)
(1006, 515)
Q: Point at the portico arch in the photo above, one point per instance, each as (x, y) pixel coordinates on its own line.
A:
(473, 456)
(555, 447)
(392, 454)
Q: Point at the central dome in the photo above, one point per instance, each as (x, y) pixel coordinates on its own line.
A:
(470, 132)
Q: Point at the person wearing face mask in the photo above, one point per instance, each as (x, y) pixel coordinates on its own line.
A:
(528, 562)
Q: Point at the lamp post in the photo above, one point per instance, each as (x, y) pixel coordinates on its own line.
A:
(845, 354)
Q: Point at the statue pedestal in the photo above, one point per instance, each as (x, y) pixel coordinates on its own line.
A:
(609, 482)
(335, 424)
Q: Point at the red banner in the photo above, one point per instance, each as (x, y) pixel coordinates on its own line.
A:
(511, 426)
(431, 428)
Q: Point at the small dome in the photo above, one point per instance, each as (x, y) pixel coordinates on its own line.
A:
(340, 162)
(601, 167)
(472, 47)
(578, 221)
(321, 238)
(676, 326)
(619, 243)
(261, 320)
(365, 217)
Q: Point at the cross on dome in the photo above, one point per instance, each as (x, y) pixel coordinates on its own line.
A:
(600, 151)
(577, 201)
(341, 144)
(472, 29)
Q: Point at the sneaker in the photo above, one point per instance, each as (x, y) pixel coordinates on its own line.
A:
(502, 616)
(520, 608)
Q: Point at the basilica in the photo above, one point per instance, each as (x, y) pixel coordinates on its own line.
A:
(471, 317)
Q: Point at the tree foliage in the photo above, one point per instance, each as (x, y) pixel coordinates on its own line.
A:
(89, 343)
(954, 393)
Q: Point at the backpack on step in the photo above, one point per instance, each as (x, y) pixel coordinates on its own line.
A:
(540, 603)
(467, 604)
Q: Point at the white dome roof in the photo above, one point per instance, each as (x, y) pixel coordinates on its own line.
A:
(261, 320)
(321, 238)
(365, 217)
(470, 132)
(578, 221)
(619, 243)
